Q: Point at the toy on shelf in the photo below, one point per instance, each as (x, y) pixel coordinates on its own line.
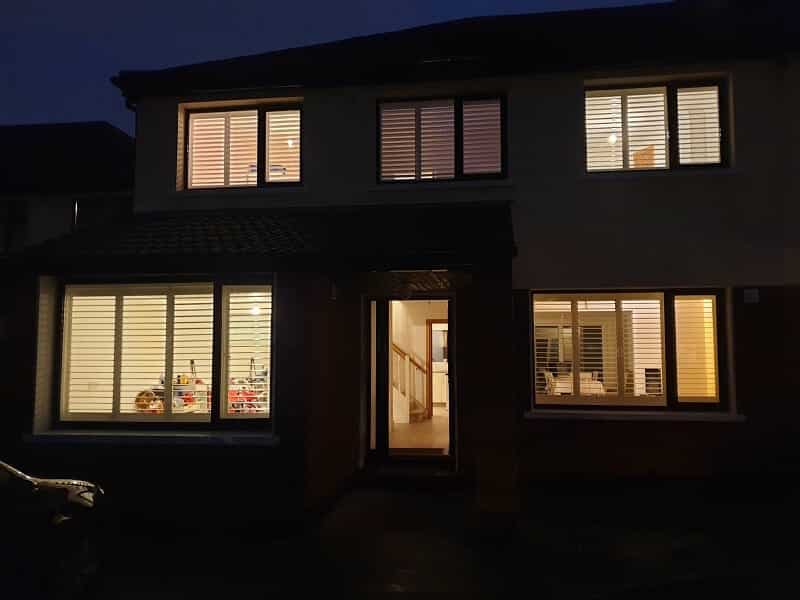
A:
(248, 395)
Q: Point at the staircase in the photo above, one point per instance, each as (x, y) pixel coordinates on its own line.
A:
(410, 378)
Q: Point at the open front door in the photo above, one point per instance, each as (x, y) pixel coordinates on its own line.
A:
(411, 378)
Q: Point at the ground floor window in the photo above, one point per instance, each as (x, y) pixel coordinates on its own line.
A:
(650, 349)
(146, 352)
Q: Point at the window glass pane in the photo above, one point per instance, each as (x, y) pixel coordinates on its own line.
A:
(603, 132)
(247, 351)
(647, 130)
(482, 136)
(143, 359)
(191, 353)
(206, 150)
(643, 348)
(552, 348)
(597, 334)
(698, 125)
(437, 124)
(242, 147)
(283, 145)
(696, 348)
(398, 143)
(89, 360)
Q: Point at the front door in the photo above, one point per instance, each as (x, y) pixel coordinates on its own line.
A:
(411, 379)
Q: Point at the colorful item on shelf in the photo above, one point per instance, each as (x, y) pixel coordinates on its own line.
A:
(147, 402)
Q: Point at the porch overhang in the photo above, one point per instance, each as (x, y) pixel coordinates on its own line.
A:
(399, 238)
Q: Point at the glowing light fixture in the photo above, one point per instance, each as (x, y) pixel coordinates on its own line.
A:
(255, 311)
(290, 142)
(612, 139)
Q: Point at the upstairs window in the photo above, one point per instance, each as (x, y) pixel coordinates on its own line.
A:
(659, 127)
(440, 139)
(223, 148)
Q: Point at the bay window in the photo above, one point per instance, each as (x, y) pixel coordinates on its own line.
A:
(142, 352)
(625, 349)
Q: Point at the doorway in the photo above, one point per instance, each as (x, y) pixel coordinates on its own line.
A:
(411, 378)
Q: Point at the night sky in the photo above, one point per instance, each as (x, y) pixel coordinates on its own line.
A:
(56, 56)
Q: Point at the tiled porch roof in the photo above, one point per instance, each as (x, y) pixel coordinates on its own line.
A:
(366, 236)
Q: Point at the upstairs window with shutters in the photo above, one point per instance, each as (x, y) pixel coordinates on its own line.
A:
(223, 147)
(419, 140)
(665, 127)
(626, 129)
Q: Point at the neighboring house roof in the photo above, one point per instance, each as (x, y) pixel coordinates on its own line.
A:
(687, 31)
(60, 158)
(362, 237)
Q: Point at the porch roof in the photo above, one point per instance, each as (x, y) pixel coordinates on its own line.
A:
(349, 238)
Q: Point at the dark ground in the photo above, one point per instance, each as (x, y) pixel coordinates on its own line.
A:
(665, 540)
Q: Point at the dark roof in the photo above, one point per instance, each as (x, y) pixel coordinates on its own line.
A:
(58, 158)
(365, 237)
(687, 31)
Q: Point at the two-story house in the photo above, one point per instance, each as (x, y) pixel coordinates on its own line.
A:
(514, 247)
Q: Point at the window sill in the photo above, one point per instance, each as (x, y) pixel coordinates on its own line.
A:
(633, 415)
(294, 188)
(647, 173)
(139, 438)
(458, 184)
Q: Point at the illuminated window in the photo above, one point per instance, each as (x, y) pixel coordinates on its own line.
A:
(137, 352)
(634, 129)
(626, 129)
(246, 351)
(223, 148)
(696, 348)
(599, 349)
(418, 139)
(611, 350)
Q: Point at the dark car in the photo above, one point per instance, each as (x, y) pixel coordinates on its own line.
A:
(46, 547)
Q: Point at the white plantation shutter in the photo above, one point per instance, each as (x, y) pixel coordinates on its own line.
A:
(242, 147)
(206, 150)
(398, 142)
(247, 347)
(88, 364)
(699, 125)
(128, 347)
(144, 344)
(696, 348)
(643, 350)
(482, 134)
(283, 145)
(647, 129)
(192, 346)
(603, 132)
(223, 149)
(626, 129)
(437, 140)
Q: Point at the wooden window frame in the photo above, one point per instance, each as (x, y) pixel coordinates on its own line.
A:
(669, 358)
(261, 178)
(673, 139)
(211, 422)
(458, 138)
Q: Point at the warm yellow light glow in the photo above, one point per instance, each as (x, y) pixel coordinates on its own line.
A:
(612, 139)
(290, 143)
(255, 311)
